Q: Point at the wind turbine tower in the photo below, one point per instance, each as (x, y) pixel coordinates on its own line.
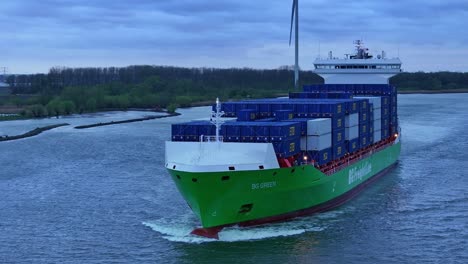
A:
(295, 21)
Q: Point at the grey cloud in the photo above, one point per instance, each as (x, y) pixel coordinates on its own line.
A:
(217, 29)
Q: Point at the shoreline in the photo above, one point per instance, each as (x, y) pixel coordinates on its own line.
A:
(433, 91)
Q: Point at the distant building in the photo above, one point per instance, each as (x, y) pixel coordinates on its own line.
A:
(4, 88)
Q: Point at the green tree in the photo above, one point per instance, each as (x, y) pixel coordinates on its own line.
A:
(91, 105)
(183, 100)
(123, 101)
(55, 107)
(68, 107)
(171, 108)
(37, 110)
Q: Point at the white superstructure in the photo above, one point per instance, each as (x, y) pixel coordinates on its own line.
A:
(360, 68)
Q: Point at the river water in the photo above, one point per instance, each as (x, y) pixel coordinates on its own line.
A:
(102, 195)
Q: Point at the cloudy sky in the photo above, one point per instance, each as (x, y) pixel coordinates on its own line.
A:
(428, 35)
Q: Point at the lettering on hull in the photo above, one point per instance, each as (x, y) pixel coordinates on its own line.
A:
(263, 185)
(358, 173)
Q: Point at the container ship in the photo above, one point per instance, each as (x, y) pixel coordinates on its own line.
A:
(266, 160)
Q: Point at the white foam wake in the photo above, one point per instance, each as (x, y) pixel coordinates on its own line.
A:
(178, 230)
(424, 133)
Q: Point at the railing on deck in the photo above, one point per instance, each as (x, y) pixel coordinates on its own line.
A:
(349, 159)
(211, 138)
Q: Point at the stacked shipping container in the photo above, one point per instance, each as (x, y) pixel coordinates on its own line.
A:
(324, 122)
(318, 140)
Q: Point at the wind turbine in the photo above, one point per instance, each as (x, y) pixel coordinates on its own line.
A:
(295, 14)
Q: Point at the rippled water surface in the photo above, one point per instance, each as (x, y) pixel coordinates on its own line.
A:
(103, 195)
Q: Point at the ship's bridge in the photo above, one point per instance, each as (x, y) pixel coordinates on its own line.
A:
(361, 68)
(357, 71)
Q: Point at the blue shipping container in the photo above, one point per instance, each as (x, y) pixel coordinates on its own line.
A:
(246, 115)
(338, 122)
(191, 131)
(388, 89)
(385, 100)
(247, 132)
(302, 110)
(385, 122)
(270, 119)
(282, 115)
(313, 110)
(231, 132)
(364, 141)
(339, 151)
(352, 145)
(178, 132)
(338, 95)
(365, 104)
(313, 88)
(262, 132)
(303, 122)
(229, 109)
(364, 116)
(385, 133)
(363, 128)
(247, 105)
(288, 147)
(332, 108)
(281, 105)
(264, 109)
(321, 157)
(385, 111)
(284, 130)
(205, 128)
(338, 136)
(305, 95)
(353, 106)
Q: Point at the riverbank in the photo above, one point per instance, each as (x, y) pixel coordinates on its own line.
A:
(433, 91)
(31, 133)
(401, 91)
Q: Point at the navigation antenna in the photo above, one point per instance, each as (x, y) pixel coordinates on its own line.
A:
(358, 44)
(216, 119)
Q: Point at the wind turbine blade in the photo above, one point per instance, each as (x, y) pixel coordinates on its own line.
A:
(292, 20)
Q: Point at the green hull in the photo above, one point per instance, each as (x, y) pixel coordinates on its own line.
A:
(224, 198)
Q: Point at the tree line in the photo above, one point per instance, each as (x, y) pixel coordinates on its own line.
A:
(430, 81)
(78, 90)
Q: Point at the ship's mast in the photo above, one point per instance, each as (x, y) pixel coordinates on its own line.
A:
(216, 118)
